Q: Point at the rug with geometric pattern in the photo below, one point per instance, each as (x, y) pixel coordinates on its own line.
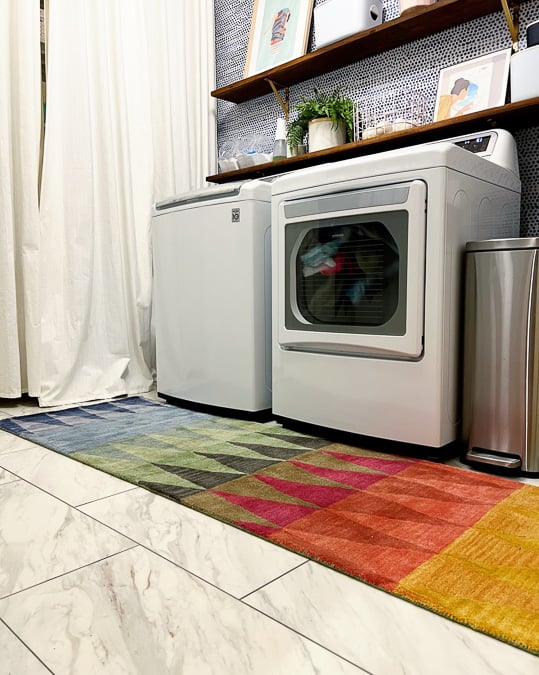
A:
(459, 543)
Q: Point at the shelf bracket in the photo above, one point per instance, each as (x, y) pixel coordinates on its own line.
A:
(511, 16)
(285, 105)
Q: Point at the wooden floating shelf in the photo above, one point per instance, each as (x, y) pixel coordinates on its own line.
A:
(512, 116)
(413, 25)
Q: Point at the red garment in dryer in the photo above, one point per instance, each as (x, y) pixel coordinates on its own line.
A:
(343, 263)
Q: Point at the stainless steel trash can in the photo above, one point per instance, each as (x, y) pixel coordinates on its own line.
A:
(501, 353)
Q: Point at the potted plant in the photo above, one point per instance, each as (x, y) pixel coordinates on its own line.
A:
(327, 118)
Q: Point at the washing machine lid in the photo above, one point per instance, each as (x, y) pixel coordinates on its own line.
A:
(259, 189)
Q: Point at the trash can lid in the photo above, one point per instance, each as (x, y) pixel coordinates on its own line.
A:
(503, 244)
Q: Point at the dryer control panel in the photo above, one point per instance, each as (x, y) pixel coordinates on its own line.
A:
(478, 144)
(496, 145)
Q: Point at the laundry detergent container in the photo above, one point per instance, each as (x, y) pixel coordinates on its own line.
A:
(501, 354)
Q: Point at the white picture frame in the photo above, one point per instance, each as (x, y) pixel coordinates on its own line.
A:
(279, 33)
(471, 86)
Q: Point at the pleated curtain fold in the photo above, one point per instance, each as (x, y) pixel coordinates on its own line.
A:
(129, 121)
(20, 131)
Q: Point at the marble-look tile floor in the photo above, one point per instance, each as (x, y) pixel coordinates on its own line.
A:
(98, 576)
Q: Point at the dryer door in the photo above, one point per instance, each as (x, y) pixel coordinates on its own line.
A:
(354, 272)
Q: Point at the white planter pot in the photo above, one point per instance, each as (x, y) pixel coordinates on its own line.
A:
(323, 134)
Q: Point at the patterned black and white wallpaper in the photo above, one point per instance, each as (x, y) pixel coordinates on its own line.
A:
(414, 66)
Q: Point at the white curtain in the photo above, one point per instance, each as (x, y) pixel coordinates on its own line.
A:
(20, 129)
(180, 35)
(129, 121)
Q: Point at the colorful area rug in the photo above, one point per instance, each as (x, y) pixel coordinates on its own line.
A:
(462, 544)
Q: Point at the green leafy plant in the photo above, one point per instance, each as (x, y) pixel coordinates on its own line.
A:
(335, 106)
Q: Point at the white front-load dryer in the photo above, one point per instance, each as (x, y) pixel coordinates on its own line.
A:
(212, 296)
(367, 283)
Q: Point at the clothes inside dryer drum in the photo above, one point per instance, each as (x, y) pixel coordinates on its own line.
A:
(352, 278)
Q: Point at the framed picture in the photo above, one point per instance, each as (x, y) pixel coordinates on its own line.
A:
(279, 33)
(473, 85)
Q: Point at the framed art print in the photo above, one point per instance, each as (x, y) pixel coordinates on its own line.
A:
(279, 33)
(473, 85)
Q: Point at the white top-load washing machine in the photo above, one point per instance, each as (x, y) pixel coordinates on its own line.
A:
(367, 283)
(212, 296)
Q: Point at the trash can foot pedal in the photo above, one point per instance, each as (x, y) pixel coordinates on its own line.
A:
(484, 457)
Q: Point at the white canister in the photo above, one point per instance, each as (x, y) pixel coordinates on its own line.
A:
(336, 19)
(524, 68)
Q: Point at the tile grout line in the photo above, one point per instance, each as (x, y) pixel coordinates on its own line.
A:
(306, 637)
(294, 630)
(25, 645)
(68, 572)
(98, 499)
(292, 569)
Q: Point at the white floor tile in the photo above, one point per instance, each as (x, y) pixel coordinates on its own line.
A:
(12, 443)
(221, 554)
(15, 658)
(41, 537)
(16, 407)
(65, 478)
(7, 477)
(138, 613)
(381, 633)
